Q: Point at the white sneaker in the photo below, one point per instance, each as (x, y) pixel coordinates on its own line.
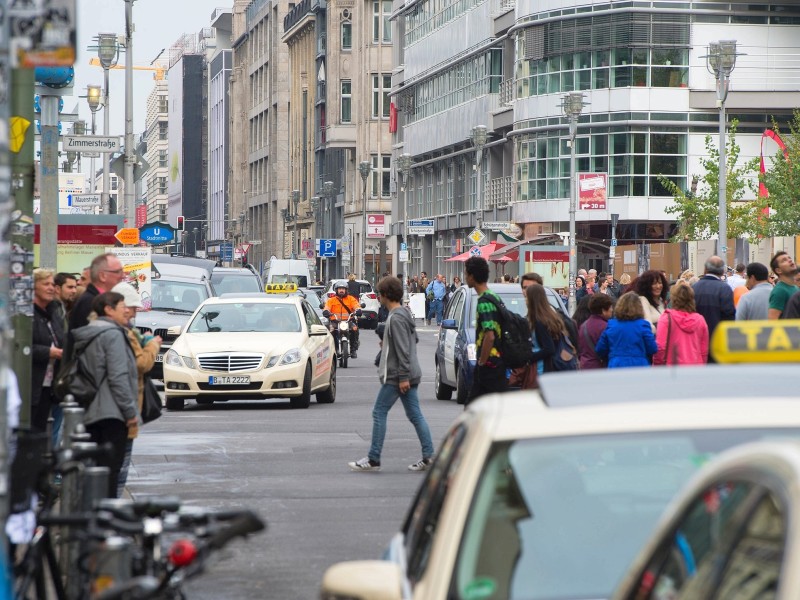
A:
(364, 464)
(421, 465)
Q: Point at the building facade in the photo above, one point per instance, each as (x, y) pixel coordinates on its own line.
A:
(154, 182)
(649, 103)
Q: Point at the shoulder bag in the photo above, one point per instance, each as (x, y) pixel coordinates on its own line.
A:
(151, 401)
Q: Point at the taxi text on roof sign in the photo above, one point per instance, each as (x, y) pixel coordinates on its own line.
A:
(280, 288)
(757, 341)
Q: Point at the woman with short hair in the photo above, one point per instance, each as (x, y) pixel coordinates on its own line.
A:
(628, 340)
(682, 333)
(46, 347)
(601, 307)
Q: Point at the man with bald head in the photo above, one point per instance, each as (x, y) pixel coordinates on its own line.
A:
(713, 297)
(105, 272)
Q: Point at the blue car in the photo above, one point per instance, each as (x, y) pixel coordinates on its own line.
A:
(455, 351)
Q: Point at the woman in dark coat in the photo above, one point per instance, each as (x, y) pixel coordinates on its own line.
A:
(48, 341)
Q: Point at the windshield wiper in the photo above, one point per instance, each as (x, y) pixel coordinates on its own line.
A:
(179, 310)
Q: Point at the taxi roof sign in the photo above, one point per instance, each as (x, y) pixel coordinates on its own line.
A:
(280, 288)
(757, 341)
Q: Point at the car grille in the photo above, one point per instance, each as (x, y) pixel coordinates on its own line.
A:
(161, 331)
(229, 362)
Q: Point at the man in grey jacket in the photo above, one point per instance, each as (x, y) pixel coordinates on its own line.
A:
(399, 373)
(104, 343)
(754, 305)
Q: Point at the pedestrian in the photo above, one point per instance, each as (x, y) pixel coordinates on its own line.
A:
(105, 272)
(490, 371)
(423, 285)
(784, 268)
(547, 328)
(737, 279)
(754, 305)
(613, 288)
(628, 339)
(601, 308)
(66, 290)
(85, 278)
(435, 292)
(682, 334)
(455, 284)
(399, 373)
(145, 349)
(624, 283)
(46, 348)
(651, 287)
(582, 312)
(353, 287)
(580, 288)
(529, 279)
(792, 308)
(110, 358)
(713, 297)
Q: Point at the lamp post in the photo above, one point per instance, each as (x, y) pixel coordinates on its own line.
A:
(572, 105)
(108, 53)
(295, 202)
(720, 61)
(327, 193)
(404, 166)
(93, 93)
(364, 168)
(478, 138)
(130, 151)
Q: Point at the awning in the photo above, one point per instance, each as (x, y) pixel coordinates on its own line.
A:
(486, 252)
(509, 248)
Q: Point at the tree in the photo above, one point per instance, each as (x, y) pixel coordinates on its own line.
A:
(783, 184)
(697, 211)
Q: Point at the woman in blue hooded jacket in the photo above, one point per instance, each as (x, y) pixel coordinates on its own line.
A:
(628, 341)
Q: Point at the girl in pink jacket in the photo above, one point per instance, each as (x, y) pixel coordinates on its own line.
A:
(682, 334)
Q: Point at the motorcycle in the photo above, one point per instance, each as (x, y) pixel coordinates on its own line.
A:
(343, 342)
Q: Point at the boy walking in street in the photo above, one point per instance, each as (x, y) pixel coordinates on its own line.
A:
(399, 373)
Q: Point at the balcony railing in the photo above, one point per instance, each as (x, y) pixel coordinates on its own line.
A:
(500, 192)
(503, 6)
(506, 92)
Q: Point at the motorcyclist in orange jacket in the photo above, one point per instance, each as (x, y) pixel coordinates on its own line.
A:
(340, 307)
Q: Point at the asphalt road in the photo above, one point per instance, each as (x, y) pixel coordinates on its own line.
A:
(291, 467)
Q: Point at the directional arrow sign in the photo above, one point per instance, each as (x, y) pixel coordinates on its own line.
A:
(128, 236)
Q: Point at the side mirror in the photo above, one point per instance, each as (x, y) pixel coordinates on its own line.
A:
(318, 330)
(174, 330)
(326, 314)
(363, 579)
(363, 305)
(449, 324)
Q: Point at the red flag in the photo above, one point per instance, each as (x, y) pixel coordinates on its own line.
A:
(392, 118)
(762, 188)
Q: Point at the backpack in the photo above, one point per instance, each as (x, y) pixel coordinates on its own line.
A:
(566, 357)
(76, 378)
(515, 344)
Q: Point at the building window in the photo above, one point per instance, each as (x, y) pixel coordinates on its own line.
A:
(381, 26)
(347, 101)
(162, 185)
(347, 35)
(163, 104)
(381, 175)
(162, 158)
(162, 130)
(381, 84)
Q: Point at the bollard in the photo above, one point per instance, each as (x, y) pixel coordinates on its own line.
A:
(95, 487)
(111, 564)
(73, 416)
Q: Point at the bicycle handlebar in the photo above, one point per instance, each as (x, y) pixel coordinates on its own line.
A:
(246, 523)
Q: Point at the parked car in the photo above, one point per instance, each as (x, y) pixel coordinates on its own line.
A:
(729, 534)
(235, 279)
(455, 353)
(551, 493)
(367, 297)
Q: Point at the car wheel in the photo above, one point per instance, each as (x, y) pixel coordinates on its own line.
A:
(304, 399)
(443, 391)
(328, 396)
(174, 403)
(461, 387)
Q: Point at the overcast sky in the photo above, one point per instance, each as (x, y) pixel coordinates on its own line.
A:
(158, 24)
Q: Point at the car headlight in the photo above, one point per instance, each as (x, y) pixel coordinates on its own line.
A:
(188, 361)
(272, 362)
(291, 357)
(471, 354)
(172, 358)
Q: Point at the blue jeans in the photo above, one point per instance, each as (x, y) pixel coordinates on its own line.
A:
(436, 308)
(387, 396)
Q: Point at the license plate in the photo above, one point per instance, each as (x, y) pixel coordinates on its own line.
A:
(159, 358)
(229, 380)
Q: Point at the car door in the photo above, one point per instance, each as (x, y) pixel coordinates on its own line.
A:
(318, 348)
(455, 311)
(728, 544)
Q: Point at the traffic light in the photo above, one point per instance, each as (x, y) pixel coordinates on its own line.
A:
(180, 223)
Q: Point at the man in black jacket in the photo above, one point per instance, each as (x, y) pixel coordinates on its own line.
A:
(713, 297)
(105, 272)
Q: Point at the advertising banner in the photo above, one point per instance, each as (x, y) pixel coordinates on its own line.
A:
(376, 226)
(136, 263)
(592, 191)
(551, 262)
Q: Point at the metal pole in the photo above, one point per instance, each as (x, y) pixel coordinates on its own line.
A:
(106, 155)
(93, 187)
(49, 186)
(364, 234)
(723, 183)
(130, 152)
(573, 245)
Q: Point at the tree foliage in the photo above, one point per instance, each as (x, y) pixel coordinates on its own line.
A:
(783, 183)
(697, 209)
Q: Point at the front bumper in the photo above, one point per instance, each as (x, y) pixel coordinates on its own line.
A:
(282, 381)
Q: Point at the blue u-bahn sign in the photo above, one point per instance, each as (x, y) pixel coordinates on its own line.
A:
(157, 233)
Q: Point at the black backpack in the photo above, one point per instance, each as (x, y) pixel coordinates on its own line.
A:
(566, 357)
(76, 378)
(515, 344)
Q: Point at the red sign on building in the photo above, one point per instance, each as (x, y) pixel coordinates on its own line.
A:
(376, 226)
(592, 191)
(141, 215)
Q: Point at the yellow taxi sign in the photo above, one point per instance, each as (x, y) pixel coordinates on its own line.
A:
(757, 341)
(280, 288)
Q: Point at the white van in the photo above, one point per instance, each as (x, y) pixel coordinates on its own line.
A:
(287, 270)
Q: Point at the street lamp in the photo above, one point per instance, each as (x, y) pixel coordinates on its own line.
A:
(295, 202)
(478, 137)
(364, 168)
(108, 53)
(720, 61)
(572, 105)
(404, 166)
(93, 94)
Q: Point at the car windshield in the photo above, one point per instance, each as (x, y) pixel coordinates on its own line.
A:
(514, 302)
(246, 317)
(300, 280)
(564, 517)
(181, 296)
(231, 283)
